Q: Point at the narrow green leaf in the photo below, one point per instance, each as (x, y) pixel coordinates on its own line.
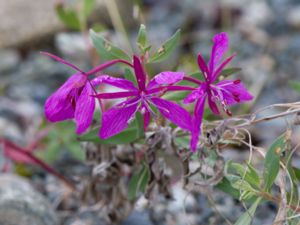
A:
(295, 85)
(247, 217)
(272, 161)
(229, 71)
(128, 74)
(139, 124)
(68, 16)
(88, 6)
(166, 49)
(249, 174)
(142, 40)
(138, 182)
(226, 187)
(127, 136)
(183, 142)
(243, 185)
(297, 173)
(107, 50)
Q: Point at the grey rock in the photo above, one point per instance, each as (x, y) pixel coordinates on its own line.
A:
(85, 218)
(23, 21)
(21, 204)
(138, 218)
(293, 17)
(73, 46)
(9, 60)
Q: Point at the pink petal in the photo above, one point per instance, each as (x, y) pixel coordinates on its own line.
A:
(139, 73)
(196, 122)
(117, 118)
(201, 91)
(121, 94)
(147, 118)
(59, 106)
(233, 92)
(190, 98)
(168, 77)
(221, 44)
(203, 66)
(85, 107)
(173, 112)
(116, 82)
(163, 89)
(212, 105)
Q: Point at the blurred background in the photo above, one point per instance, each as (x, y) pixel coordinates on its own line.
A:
(264, 33)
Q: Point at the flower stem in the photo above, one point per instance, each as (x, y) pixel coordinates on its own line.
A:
(39, 162)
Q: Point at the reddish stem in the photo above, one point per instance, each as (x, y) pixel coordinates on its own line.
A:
(191, 79)
(38, 162)
(107, 64)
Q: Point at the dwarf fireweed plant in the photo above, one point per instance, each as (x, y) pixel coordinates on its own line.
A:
(144, 142)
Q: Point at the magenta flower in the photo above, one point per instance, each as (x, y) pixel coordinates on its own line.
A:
(73, 99)
(224, 93)
(142, 98)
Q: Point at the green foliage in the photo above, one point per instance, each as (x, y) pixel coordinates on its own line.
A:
(76, 17)
(134, 131)
(249, 174)
(295, 85)
(138, 181)
(68, 16)
(61, 140)
(240, 182)
(107, 50)
(247, 217)
(166, 49)
(229, 71)
(128, 74)
(142, 40)
(88, 7)
(272, 161)
(225, 186)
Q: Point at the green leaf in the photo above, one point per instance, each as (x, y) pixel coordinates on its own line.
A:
(229, 71)
(247, 217)
(272, 161)
(296, 173)
(180, 95)
(184, 142)
(132, 133)
(128, 74)
(249, 174)
(139, 124)
(225, 186)
(138, 182)
(60, 141)
(142, 40)
(125, 137)
(295, 85)
(107, 50)
(68, 16)
(166, 49)
(88, 6)
(243, 185)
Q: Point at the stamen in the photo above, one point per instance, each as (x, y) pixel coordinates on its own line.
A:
(123, 105)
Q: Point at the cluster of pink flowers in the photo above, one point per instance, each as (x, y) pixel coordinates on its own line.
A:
(76, 98)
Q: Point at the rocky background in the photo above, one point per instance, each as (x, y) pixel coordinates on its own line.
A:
(264, 33)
